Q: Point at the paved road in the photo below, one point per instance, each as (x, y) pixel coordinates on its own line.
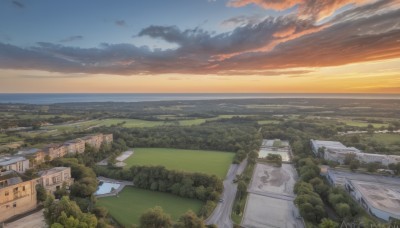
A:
(222, 213)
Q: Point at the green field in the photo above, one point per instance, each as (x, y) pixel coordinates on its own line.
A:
(364, 124)
(265, 122)
(133, 202)
(387, 139)
(209, 162)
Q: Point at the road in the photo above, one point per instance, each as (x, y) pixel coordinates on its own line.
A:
(221, 215)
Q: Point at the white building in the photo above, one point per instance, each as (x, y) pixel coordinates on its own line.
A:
(16, 163)
(336, 151)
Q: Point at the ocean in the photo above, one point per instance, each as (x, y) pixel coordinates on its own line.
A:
(53, 98)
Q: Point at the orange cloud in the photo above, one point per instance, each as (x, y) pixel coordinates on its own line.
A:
(316, 9)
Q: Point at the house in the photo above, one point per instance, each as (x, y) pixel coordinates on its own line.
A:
(55, 151)
(16, 196)
(75, 146)
(36, 156)
(53, 179)
(17, 163)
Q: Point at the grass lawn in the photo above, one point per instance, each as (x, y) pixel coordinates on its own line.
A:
(209, 162)
(133, 202)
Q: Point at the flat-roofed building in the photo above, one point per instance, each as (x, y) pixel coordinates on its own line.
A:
(55, 151)
(17, 163)
(336, 151)
(16, 196)
(36, 156)
(75, 146)
(379, 195)
(382, 201)
(53, 179)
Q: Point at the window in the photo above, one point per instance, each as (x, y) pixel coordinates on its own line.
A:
(15, 204)
(6, 193)
(23, 188)
(16, 190)
(7, 206)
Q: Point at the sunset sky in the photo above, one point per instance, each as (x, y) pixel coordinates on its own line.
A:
(174, 46)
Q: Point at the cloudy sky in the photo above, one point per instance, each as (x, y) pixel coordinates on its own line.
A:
(260, 46)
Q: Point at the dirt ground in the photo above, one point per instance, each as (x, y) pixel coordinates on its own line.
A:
(268, 178)
(35, 220)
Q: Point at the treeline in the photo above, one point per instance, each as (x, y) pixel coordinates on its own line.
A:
(313, 191)
(240, 138)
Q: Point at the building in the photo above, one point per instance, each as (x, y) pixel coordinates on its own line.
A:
(94, 141)
(16, 196)
(108, 138)
(36, 156)
(55, 151)
(17, 163)
(53, 179)
(378, 195)
(336, 151)
(75, 146)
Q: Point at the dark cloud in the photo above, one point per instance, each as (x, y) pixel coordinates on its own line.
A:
(71, 38)
(271, 47)
(120, 23)
(18, 4)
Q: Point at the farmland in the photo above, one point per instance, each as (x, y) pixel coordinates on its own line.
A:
(217, 162)
(132, 202)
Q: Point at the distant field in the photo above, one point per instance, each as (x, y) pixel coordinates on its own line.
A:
(131, 123)
(209, 162)
(133, 202)
(388, 139)
(364, 124)
(265, 122)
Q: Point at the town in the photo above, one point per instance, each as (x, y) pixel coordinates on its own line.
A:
(18, 195)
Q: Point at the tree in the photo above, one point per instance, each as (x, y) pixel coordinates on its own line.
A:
(349, 158)
(343, 210)
(155, 218)
(355, 164)
(190, 220)
(41, 193)
(373, 166)
(327, 223)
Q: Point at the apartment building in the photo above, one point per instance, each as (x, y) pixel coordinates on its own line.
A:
(53, 179)
(17, 163)
(55, 151)
(76, 146)
(16, 196)
(33, 154)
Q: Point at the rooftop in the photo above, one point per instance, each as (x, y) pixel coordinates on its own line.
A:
(8, 160)
(9, 178)
(28, 151)
(383, 197)
(328, 144)
(377, 179)
(52, 171)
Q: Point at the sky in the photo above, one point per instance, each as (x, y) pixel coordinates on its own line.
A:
(200, 46)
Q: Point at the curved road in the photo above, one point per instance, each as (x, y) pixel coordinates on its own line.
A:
(221, 215)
